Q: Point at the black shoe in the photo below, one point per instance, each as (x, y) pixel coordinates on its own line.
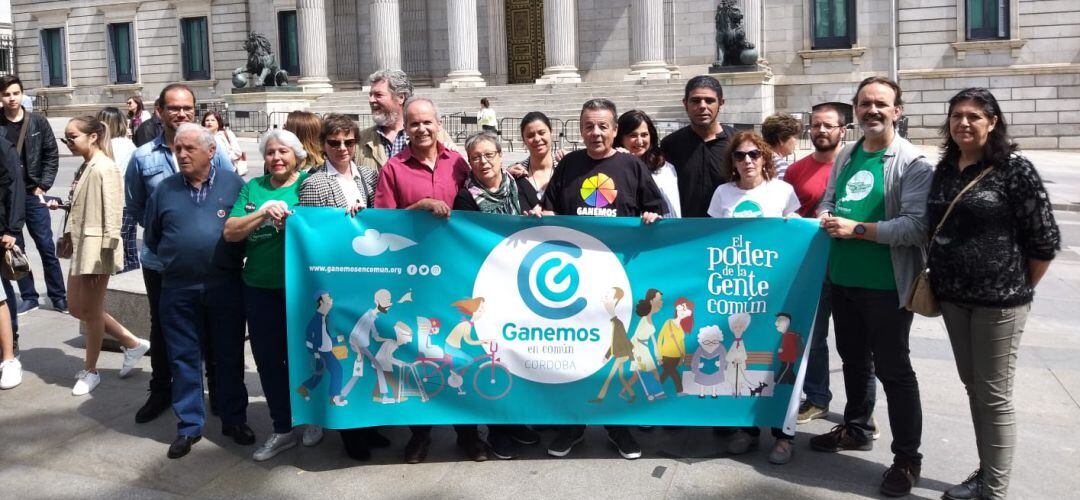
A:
(565, 441)
(522, 434)
(900, 479)
(182, 445)
(155, 405)
(502, 445)
(375, 439)
(626, 444)
(60, 306)
(241, 434)
(416, 449)
(970, 489)
(840, 438)
(474, 447)
(356, 444)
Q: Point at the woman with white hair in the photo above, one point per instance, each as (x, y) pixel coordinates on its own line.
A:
(258, 216)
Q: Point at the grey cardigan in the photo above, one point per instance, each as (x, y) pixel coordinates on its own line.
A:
(907, 176)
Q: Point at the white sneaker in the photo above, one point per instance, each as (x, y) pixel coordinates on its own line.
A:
(313, 434)
(12, 373)
(274, 444)
(85, 382)
(132, 357)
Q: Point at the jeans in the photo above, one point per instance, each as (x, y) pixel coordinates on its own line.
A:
(39, 225)
(816, 381)
(872, 337)
(985, 341)
(326, 362)
(160, 371)
(267, 328)
(191, 318)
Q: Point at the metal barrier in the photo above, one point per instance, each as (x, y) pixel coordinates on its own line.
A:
(248, 121)
(569, 132)
(459, 126)
(510, 133)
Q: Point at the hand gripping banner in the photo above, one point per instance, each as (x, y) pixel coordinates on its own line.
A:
(398, 317)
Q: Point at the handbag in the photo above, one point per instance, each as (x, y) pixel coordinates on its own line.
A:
(921, 300)
(16, 265)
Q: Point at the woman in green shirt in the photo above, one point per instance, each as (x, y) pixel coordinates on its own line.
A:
(258, 219)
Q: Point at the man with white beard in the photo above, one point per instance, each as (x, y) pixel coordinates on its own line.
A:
(389, 90)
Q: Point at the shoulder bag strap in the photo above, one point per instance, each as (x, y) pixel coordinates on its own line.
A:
(956, 199)
(22, 133)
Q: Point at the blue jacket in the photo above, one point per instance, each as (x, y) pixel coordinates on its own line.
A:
(149, 165)
(313, 338)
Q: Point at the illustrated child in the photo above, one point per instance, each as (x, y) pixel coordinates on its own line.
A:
(621, 349)
(460, 360)
(709, 361)
(672, 342)
(789, 350)
(736, 356)
(425, 329)
(360, 342)
(643, 363)
(385, 362)
(321, 346)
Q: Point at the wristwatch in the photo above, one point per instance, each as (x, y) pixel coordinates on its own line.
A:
(860, 230)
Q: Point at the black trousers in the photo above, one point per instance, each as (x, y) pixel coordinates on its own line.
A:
(872, 337)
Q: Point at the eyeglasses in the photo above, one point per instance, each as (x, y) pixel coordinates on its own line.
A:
(335, 143)
(176, 110)
(70, 140)
(826, 126)
(754, 154)
(488, 157)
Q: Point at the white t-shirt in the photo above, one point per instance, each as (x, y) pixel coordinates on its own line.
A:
(668, 182)
(122, 149)
(773, 198)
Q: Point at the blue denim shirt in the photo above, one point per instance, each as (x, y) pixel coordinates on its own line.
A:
(149, 165)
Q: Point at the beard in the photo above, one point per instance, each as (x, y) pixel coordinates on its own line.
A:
(384, 118)
(823, 147)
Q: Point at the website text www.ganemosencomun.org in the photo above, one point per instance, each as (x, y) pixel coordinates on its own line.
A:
(354, 269)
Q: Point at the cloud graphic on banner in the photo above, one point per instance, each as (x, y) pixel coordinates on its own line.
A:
(374, 243)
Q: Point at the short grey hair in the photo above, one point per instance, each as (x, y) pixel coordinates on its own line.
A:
(600, 104)
(411, 100)
(285, 137)
(396, 79)
(483, 136)
(206, 137)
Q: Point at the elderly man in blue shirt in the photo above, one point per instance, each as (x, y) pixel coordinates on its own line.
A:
(201, 300)
(150, 164)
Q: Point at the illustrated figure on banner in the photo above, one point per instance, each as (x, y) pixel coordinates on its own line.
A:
(386, 362)
(620, 351)
(736, 356)
(644, 345)
(671, 345)
(709, 361)
(325, 354)
(788, 352)
(360, 341)
(426, 328)
(465, 331)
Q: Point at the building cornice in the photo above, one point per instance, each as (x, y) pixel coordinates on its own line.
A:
(1023, 69)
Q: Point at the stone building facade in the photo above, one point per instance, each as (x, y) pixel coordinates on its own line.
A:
(1026, 51)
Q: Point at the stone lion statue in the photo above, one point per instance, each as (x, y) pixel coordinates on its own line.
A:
(732, 48)
(261, 69)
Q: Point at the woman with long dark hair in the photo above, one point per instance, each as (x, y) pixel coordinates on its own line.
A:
(226, 140)
(638, 136)
(994, 239)
(136, 112)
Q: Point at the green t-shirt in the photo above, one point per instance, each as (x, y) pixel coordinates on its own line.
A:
(860, 196)
(265, 246)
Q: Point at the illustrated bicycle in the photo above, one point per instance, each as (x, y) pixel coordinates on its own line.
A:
(491, 379)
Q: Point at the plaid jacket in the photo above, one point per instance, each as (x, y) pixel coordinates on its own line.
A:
(321, 190)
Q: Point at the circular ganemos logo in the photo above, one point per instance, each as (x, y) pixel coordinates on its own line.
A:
(599, 191)
(747, 209)
(859, 186)
(553, 322)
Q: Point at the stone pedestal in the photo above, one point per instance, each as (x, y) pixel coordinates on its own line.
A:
(311, 31)
(560, 42)
(749, 96)
(647, 41)
(464, 57)
(274, 104)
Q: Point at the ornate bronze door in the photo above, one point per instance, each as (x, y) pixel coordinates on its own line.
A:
(525, 40)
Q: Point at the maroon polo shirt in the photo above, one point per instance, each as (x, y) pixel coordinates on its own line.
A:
(405, 180)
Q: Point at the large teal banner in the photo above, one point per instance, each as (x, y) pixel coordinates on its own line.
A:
(398, 317)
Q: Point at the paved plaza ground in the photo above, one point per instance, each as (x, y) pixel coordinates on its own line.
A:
(54, 445)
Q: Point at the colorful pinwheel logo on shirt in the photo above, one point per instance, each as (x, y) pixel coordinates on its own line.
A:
(599, 191)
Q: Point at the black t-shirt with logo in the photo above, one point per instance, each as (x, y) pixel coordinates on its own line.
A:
(617, 186)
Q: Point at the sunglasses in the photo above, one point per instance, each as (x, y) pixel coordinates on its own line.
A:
(334, 143)
(754, 154)
(70, 140)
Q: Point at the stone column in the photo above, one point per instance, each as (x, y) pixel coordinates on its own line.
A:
(560, 42)
(669, 38)
(751, 10)
(497, 42)
(464, 54)
(311, 33)
(385, 34)
(647, 41)
(415, 46)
